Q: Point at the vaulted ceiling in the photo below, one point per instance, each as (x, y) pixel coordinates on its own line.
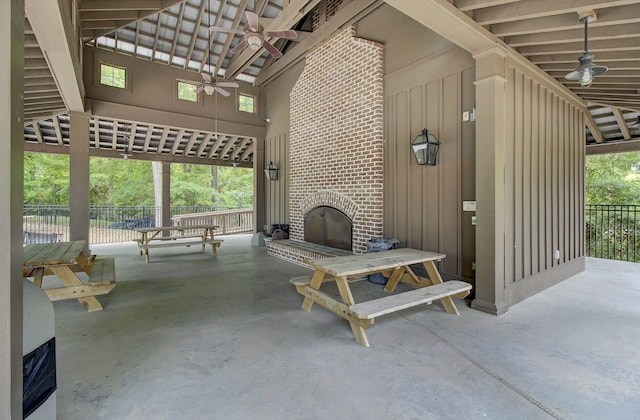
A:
(175, 33)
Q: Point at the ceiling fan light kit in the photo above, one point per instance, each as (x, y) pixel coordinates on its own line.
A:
(254, 36)
(587, 70)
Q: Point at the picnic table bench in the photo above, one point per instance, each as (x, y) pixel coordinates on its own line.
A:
(64, 260)
(394, 263)
(169, 236)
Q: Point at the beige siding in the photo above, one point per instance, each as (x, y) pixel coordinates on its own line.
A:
(423, 204)
(277, 151)
(543, 178)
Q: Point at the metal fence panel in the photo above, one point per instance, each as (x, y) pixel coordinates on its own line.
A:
(613, 231)
(107, 224)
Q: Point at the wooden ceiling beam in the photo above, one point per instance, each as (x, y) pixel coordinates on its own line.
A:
(229, 39)
(540, 8)
(190, 143)
(624, 129)
(111, 154)
(142, 14)
(468, 5)
(231, 143)
(606, 17)
(613, 65)
(147, 139)
(105, 6)
(608, 56)
(622, 45)
(53, 29)
(177, 141)
(203, 144)
(129, 15)
(600, 33)
(176, 34)
(214, 148)
(194, 36)
(163, 140)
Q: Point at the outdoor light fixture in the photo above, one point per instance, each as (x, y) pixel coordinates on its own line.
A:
(254, 41)
(425, 148)
(271, 172)
(586, 70)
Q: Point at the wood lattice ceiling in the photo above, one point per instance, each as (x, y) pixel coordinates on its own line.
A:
(546, 32)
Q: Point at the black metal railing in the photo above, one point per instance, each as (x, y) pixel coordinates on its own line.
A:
(612, 231)
(107, 224)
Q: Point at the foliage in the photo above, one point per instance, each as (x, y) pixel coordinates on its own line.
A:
(613, 179)
(112, 75)
(128, 182)
(187, 92)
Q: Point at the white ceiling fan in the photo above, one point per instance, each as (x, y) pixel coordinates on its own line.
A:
(210, 85)
(254, 35)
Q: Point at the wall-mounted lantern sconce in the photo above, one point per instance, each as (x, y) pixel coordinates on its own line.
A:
(271, 172)
(425, 148)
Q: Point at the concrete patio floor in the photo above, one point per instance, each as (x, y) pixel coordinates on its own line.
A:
(189, 336)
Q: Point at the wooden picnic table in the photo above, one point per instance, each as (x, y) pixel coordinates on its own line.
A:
(166, 236)
(64, 260)
(396, 265)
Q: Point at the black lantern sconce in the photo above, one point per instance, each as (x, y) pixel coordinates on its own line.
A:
(271, 172)
(425, 148)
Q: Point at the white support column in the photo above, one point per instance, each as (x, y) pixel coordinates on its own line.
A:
(259, 195)
(490, 148)
(165, 209)
(11, 174)
(79, 176)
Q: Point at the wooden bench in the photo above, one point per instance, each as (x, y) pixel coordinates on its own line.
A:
(385, 305)
(178, 241)
(102, 279)
(424, 295)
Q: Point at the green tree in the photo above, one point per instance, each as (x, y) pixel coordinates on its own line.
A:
(128, 182)
(613, 179)
(46, 179)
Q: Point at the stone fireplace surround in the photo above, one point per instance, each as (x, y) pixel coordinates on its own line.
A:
(336, 142)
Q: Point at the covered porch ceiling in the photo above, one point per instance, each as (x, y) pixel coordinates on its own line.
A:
(175, 33)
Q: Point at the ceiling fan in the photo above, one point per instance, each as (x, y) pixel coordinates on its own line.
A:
(209, 85)
(254, 35)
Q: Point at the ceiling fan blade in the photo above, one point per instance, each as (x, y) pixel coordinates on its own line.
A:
(252, 21)
(221, 91)
(206, 77)
(191, 82)
(227, 30)
(200, 89)
(239, 47)
(290, 34)
(227, 84)
(272, 50)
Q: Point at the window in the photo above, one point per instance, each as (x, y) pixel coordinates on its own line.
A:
(111, 75)
(187, 92)
(246, 103)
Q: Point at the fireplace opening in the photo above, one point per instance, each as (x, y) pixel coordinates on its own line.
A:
(325, 225)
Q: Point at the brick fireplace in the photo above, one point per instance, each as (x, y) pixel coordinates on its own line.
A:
(336, 138)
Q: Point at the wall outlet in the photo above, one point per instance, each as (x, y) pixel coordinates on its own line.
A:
(465, 116)
(556, 254)
(473, 266)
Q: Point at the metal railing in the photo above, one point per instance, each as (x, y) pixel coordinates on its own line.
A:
(612, 231)
(110, 224)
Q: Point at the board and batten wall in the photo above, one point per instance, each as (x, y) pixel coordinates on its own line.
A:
(276, 95)
(544, 185)
(423, 204)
